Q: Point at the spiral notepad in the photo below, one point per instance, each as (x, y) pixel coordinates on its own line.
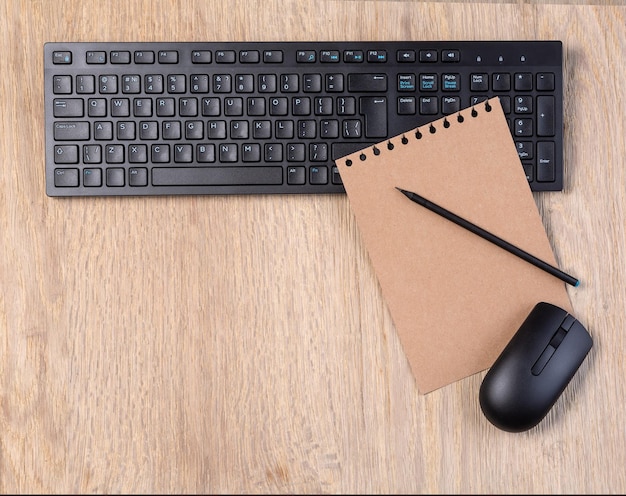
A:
(455, 299)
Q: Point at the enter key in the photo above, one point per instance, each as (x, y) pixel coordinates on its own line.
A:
(374, 108)
(545, 161)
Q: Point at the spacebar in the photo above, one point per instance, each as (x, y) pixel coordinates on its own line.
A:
(216, 176)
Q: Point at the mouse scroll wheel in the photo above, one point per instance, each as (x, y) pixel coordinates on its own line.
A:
(567, 322)
(562, 331)
(556, 340)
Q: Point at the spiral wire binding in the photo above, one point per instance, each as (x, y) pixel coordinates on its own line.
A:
(418, 134)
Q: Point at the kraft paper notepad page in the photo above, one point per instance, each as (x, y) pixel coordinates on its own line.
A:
(455, 299)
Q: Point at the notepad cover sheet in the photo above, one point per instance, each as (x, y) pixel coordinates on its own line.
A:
(455, 299)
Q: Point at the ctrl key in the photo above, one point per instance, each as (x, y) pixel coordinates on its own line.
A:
(66, 178)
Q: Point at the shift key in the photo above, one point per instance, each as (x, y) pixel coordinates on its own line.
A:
(71, 131)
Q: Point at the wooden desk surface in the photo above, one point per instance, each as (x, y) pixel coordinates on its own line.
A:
(240, 344)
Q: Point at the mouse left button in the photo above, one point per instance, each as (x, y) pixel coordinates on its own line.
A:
(543, 360)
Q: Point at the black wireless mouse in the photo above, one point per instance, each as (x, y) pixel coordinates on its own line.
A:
(534, 368)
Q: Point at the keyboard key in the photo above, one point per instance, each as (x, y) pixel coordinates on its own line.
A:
(153, 83)
(377, 56)
(335, 176)
(92, 154)
(404, 56)
(201, 57)
(451, 56)
(523, 127)
(96, 57)
(138, 176)
(122, 57)
(71, 131)
(340, 150)
(273, 56)
(92, 178)
(353, 56)
(107, 84)
(144, 57)
(450, 104)
(267, 83)
(68, 107)
(168, 57)
(406, 82)
(249, 57)
(545, 161)
(318, 175)
(62, 57)
(367, 82)
(429, 105)
(524, 105)
(523, 81)
(114, 154)
(524, 149)
(329, 56)
(428, 82)
(62, 85)
(176, 83)
(85, 84)
(138, 154)
(374, 109)
(428, 56)
(334, 83)
(406, 105)
(296, 175)
(216, 176)
(351, 129)
(545, 116)
(225, 56)
(501, 82)
(160, 154)
(545, 81)
(115, 177)
(66, 154)
(451, 82)
(479, 82)
(66, 178)
(528, 170)
(131, 84)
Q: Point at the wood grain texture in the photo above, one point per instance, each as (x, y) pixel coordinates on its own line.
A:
(240, 344)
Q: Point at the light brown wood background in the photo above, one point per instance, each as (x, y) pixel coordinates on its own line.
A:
(240, 344)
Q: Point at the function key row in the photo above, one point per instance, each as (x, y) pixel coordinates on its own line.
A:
(99, 57)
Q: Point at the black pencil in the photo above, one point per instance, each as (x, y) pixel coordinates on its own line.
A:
(490, 237)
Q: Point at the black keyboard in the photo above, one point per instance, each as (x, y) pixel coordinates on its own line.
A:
(265, 117)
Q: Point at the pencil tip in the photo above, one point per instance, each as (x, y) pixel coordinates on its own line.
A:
(403, 191)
